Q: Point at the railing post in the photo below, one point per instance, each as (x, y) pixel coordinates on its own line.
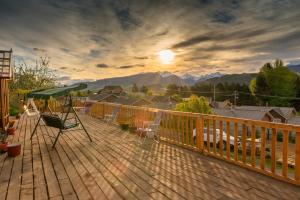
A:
(297, 157)
(199, 131)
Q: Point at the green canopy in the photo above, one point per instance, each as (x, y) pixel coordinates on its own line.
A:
(55, 92)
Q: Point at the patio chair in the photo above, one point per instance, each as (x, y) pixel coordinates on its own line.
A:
(30, 109)
(150, 129)
(111, 118)
(85, 109)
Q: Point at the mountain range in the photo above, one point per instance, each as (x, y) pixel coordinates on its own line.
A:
(162, 79)
(151, 78)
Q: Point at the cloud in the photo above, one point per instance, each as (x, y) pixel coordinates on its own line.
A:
(130, 66)
(102, 65)
(94, 53)
(77, 34)
(223, 17)
(141, 57)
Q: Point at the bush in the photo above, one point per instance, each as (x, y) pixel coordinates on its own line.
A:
(13, 111)
(279, 136)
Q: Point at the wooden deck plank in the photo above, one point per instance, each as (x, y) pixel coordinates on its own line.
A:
(13, 191)
(114, 166)
(158, 166)
(237, 182)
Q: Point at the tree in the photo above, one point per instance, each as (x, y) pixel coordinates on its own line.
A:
(144, 89)
(32, 77)
(172, 89)
(149, 93)
(272, 81)
(135, 88)
(195, 104)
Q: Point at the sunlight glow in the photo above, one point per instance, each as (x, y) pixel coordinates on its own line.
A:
(166, 56)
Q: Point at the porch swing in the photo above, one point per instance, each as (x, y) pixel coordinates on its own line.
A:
(65, 122)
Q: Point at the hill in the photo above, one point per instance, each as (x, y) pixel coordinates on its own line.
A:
(147, 79)
(244, 78)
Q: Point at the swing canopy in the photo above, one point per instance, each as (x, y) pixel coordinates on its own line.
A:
(55, 92)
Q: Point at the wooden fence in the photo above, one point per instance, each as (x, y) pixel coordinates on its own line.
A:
(272, 149)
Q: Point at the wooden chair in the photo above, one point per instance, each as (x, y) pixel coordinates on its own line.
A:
(111, 118)
(150, 129)
(30, 109)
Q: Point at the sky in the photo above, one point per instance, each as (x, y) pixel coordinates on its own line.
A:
(94, 39)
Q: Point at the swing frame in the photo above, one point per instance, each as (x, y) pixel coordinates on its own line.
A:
(63, 119)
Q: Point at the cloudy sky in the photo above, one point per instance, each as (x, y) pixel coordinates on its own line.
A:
(93, 39)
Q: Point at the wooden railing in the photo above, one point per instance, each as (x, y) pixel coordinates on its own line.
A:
(269, 148)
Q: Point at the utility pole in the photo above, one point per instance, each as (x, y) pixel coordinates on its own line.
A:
(235, 97)
(214, 92)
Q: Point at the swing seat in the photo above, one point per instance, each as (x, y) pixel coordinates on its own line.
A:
(55, 121)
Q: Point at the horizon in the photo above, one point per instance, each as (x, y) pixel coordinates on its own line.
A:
(94, 40)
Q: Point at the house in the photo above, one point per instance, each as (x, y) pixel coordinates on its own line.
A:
(271, 114)
(133, 101)
(102, 97)
(112, 89)
(163, 102)
(221, 104)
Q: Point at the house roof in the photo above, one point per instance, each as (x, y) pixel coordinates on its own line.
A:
(126, 100)
(220, 104)
(294, 120)
(112, 87)
(245, 114)
(262, 109)
(100, 97)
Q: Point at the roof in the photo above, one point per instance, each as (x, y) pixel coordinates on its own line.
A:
(249, 114)
(286, 112)
(55, 92)
(294, 120)
(100, 97)
(220, 104)
(112, 87)
(127, 100)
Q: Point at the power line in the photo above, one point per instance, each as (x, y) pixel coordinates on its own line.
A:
(231, 93)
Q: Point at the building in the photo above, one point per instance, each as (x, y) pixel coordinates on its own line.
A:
(102, 97)
(112, 89)
(163, 102)
(271, 114)
(132, 101)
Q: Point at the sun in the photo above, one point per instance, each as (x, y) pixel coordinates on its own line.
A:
(166, 56)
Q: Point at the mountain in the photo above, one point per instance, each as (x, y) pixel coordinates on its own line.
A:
(149, 78)
(244, 78)
(192, 79)
(294, 68)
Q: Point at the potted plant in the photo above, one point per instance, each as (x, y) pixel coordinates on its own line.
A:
(3, 143)
(11, 127)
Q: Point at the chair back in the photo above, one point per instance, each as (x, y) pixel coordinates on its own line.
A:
(115, 113)
(158, 117)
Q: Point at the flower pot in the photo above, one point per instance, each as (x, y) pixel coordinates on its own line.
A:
(11, 130)
(11, 123)
(18, 116)
(13, 150)
(3, 147)
(124, 127)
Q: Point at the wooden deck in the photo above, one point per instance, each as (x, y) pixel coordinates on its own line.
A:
(114, 166)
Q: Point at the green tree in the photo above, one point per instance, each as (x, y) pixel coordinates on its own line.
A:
(172, 89)
(195, 104)
(135, 88)
(32, 77)
(275, 80)
(144, 89)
